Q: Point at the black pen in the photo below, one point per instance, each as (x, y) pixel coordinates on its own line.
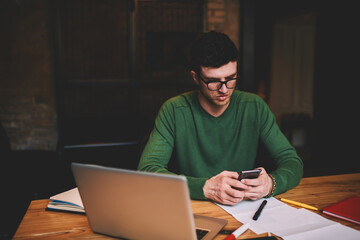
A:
(258, 212)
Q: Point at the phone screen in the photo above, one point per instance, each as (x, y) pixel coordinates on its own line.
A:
(249, 174)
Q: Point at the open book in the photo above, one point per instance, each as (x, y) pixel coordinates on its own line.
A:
(67, 201)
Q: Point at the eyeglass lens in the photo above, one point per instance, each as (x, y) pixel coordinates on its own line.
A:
(231, 83)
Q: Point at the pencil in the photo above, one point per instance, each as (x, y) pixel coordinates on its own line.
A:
(299, 204)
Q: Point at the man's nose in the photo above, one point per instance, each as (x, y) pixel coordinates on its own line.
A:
(223, 88)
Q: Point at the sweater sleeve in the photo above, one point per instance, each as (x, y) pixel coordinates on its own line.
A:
(158, 150)
(289, 166)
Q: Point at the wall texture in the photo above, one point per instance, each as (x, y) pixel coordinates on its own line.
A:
(27, 101)
(223, 16)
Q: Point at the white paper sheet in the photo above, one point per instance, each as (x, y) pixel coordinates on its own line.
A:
(334, 231)
(288, 222)
(71, 196)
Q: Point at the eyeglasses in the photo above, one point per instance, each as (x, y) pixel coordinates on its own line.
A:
(214, 85)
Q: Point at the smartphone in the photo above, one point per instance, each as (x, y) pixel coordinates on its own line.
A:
(249, 174)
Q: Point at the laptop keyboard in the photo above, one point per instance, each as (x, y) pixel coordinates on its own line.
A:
(200, 233)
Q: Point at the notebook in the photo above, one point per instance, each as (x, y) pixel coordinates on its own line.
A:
(68, 201)
(140, 205)
(347, 209)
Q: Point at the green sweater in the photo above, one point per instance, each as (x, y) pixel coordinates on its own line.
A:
(205, 145)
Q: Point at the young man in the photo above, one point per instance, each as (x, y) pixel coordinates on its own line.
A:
(213, 133)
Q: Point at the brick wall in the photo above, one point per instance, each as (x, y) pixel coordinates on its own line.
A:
(223, 16)
(27, 101)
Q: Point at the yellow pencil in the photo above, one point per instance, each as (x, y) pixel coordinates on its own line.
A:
(299, 204)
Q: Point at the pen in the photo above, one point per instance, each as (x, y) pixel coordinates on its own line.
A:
(238, 232)
(299, 204)
(258, 212)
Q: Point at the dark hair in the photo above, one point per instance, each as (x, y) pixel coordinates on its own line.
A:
(211, 49)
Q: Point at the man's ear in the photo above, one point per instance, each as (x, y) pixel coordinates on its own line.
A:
(194, 76)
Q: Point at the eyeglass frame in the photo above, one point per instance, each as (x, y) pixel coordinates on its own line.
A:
(221, 82)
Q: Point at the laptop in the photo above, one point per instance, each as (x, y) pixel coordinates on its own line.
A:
(140, 205)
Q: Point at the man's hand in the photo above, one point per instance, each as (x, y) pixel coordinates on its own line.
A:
(258, 187)
(225, 188)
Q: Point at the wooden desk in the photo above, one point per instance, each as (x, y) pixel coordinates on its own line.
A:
(316, 191)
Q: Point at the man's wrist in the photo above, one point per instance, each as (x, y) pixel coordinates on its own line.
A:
(273, 185)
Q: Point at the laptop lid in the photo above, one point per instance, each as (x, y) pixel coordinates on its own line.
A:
(139, 205)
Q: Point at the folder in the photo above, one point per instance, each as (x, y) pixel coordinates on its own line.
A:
(347, 209)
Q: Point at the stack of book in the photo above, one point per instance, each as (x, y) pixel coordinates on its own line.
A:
(69, 201)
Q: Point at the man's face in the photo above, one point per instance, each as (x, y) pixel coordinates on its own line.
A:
(221, 97)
